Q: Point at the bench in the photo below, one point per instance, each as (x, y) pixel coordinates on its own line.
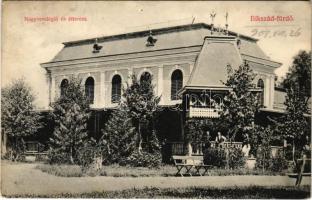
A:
(188, 163)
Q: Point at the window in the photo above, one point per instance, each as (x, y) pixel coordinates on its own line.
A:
(64, 85)
(176, 84)
(116, 89)
(89, 90)
(260, 84)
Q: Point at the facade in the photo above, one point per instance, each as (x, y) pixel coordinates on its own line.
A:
(182, 60)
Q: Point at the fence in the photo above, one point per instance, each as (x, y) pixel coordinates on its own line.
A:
(180, 148)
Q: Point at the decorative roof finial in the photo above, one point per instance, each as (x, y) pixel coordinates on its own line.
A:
(212, 16)
(150, 39)
(226, 23)
(96, 46)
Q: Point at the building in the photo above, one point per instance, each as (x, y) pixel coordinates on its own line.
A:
(182, 60)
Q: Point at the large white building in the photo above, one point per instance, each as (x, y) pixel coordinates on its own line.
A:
(192, 54)
(182, 60)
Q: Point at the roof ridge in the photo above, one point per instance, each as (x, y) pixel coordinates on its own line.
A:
(155, 31)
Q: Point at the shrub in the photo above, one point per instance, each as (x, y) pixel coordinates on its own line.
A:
(142, 159)
(215, 157)
(236, 158)
(88, 156)
(279, 163)
(57, 157)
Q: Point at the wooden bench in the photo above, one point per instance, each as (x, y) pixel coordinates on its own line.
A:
(188, 163)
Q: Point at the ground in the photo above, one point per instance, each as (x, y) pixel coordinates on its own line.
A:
(23, 178)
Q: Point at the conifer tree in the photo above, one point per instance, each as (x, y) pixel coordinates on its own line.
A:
(70, 113)
(18, 118)
(141, 104)
(118, 140)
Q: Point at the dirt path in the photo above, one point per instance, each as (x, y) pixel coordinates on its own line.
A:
(25, 179)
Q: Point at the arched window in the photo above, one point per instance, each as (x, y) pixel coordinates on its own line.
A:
(146, 77)
(89, 89)
(260, 84)
(64, 84)
(176, 84)
(116, 89)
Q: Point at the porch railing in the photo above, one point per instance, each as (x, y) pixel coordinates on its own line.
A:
(180, 148)
(203, 112)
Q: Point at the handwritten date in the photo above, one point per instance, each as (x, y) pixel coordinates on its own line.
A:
(267, 33)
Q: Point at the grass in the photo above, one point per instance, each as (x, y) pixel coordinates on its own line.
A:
(61, 170)
(124, 171)
(248, 192)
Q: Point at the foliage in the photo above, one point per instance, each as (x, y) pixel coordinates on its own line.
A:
(233, 192)
(70, 113)
(215, 157)
(89, 154)
(142, 159)
(263, 137)
(236, 158)
(294, 126)
(300, 73)
(61, 170)
(261, 142)
(240, 104)
(119, 137)
(18, 118)
(58, 156)
(278, 163)
(130, 136)
(141, 103)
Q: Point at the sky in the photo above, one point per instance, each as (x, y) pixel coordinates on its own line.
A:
(26, 44)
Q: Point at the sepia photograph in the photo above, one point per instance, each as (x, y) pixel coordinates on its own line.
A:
(156, 99)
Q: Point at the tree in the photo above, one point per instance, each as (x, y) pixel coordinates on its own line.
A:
(70, 113)
(240, 103)
(19, 120)
(118, 138)
(294, 126)
(141, 104)
(299, 74)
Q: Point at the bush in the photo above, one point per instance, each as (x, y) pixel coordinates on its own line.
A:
(236, 158)
(215, 157)
(266, 161)
(58, 157)
(142, 159)
(279, 163)
(88, 156)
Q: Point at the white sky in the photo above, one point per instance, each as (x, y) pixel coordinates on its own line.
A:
(25, 45)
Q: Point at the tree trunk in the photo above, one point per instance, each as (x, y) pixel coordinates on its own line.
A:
(71, 155)
(293, 150)
(139, 139)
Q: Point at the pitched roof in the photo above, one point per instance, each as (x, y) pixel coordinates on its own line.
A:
(167, 38)
(211, 66)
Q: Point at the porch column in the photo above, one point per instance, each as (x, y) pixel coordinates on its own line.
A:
(53, 89)
(102, 90)
(267, 87)
(130, 73)
(272, 88)
(160, 82)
